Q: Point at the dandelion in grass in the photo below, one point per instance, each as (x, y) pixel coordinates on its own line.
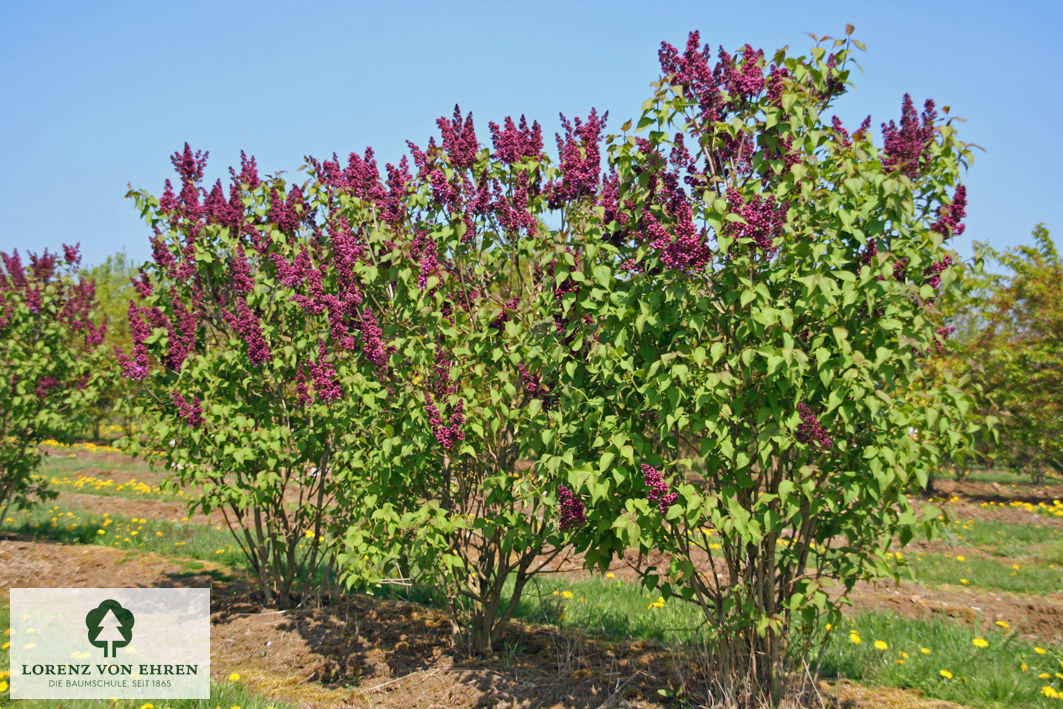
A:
(1039, 650)
(147, 706)
(3, 686)
(924, 650)
(961, 557)
(1044, 675)
(234, 677)
(854, 639)
(945, 673)
(1003, 624)
(566, 594)
(1023, 666)
(980, 643)
(610, 575)
(881, 645)
(1050, 692)
(963, 581)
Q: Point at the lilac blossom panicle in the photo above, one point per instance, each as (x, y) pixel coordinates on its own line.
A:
(950, 216)
(137, 365)
(514, 143)
(905, 146)
(572, 514)
(326, 385)
(580, 159)
(244, 322)
(658, 488)
(810, 430)
(763, 220)
(188, 410)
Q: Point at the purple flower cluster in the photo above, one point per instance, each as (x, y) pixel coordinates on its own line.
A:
(510, 306)
(763, 220)
(135, 366)
(459, 139)
(189, 410)
(572, 513)
(246, 323)
(900, 269)
(810, 431)
(658, 488)
(933, 271)
(326, 385)
(905, 146)
(950, 216)
(535, 387)
(439, 389)
(580, 159)
(515, 143)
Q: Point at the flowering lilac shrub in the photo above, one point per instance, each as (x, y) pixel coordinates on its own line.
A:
(257, 332)
(772, 286)
(51, 364)
(477, 477)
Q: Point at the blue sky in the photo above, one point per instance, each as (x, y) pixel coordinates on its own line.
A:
(97, 95)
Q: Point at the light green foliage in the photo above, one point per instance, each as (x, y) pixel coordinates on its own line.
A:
(49, 365)
(705, 360)
(1011, 339)
(236, 325)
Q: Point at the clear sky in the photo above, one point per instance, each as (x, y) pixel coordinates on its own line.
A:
(97, 95)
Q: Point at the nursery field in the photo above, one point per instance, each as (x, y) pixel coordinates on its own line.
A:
(978, 623)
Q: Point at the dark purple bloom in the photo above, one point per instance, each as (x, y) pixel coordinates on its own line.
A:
(658, 488)
(572, 514)
(188, 410)
(810, 431)
(905, 146)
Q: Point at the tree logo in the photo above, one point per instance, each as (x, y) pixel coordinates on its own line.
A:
(111, 625)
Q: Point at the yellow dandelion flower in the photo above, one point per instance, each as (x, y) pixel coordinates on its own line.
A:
(924, 650)
(1050, 692)
(945, 673)
(566, 594)
(854, 639)
(610, 575)
(904, 655)
(147, 706)
(234, 677)
(5, 645)
(829, 626)
(101, 531)
(1039, 650)
(3, 686)
(1044, 675)
(1003, 624)
(309, 534)
(881, 645)
(1024, 667)
(980, 642)
(963, 581)
(961, 557)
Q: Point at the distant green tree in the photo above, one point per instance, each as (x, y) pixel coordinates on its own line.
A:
(114, 291)
(1010, 339)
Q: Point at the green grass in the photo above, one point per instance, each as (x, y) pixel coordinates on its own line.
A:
(224, 694)
(1040, 543)
(91, 477)
(985, 572)
(57, 524)
(981, 677)
(1001, 476)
